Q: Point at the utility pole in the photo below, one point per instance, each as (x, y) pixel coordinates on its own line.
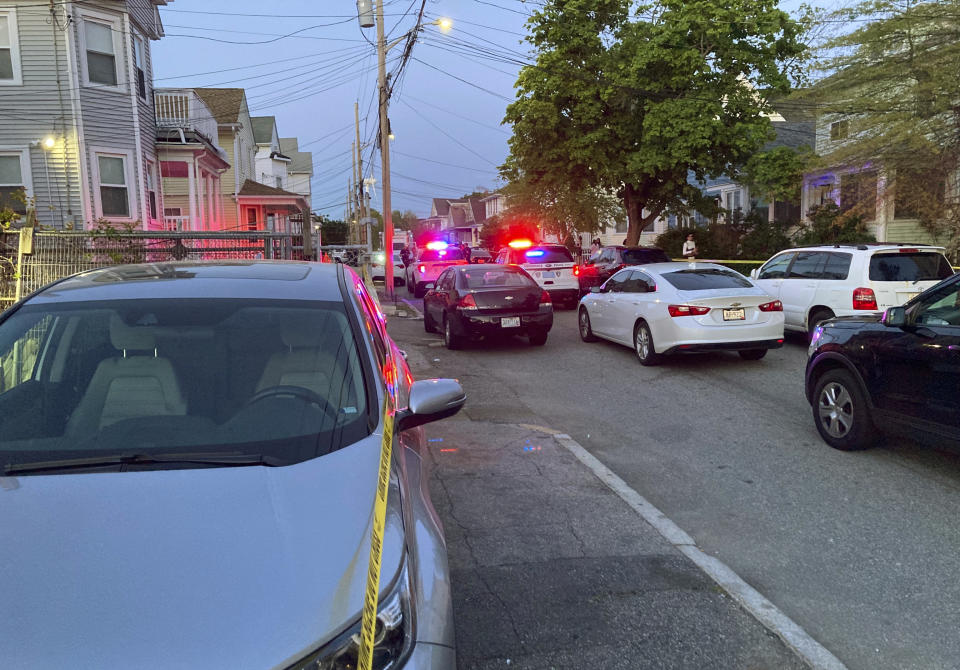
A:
(385, 154)
(356, 121)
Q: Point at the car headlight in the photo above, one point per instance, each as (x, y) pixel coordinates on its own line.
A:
(393, 639)
(379, 258)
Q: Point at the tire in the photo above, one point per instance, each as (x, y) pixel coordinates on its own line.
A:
(538, 338)
(583, 322)
(643, 345)
(428, 324)
(419, 290)
(816, 318)
(451, 340)
(410, 286)
(752, 354)
(841, 412)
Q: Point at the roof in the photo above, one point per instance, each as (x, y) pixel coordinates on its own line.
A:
(300, 161)
(263, 128)
(442, 205)
(224, 103)
(255, 188)
(212, 279)
(479, 210)
(793, 134)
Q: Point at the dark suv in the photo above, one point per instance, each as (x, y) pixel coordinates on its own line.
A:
(895, 373)
(611, 259)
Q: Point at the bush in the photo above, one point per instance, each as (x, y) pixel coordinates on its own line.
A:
(828, 225)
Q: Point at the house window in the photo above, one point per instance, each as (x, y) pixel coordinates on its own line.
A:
(251, 218)
(152, 189)
(114, 194)
(279, 182)
(174, 169)
(13, 185)
(171, 211)
(839, 130)
(9, 49)
(733, 201)
(101, 53)
(138, 63)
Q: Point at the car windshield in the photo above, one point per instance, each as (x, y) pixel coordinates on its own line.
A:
(911, 266)
(279, 379)
(538, 255)
(450, 254)
(497, 278)
(643, 256)
(704, 279)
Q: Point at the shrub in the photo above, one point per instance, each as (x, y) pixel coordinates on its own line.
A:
(829, 225)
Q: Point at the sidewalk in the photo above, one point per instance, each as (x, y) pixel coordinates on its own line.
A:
(552, 569)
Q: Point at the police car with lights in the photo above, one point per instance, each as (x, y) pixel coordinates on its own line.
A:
(431, 261)
(551, 265)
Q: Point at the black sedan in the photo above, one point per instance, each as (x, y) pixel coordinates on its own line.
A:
(473, 302)
(612, 259)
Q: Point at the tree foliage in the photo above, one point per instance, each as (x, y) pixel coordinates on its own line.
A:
(635, 99)
(778, 173)
(891, 87)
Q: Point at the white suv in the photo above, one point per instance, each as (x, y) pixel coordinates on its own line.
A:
(820, 282)
(551, 265)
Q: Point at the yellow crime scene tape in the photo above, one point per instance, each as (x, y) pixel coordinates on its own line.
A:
(368, 623)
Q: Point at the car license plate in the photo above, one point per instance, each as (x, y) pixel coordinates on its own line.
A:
(906, 297)
(510, 322)
(548, 275)
(734, 315)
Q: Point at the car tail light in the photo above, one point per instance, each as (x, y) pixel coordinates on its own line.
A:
(909, 251)
(576, 270)
(687, 310)
(864, 298)
(422, 268)
(467, 302)
(775, 306)
(545, 298)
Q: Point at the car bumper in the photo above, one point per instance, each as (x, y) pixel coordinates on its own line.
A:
(724, 346)
(678, 335)
(482, 325)
(563, 294)
(431, 657)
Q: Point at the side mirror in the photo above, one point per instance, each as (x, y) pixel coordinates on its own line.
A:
(596, 289)
(754, 272)
(431, 400)
(894, 317)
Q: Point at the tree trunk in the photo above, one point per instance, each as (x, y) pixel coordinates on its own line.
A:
(635, 203)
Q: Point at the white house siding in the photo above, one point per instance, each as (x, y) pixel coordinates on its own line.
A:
(299, 182)
(32, 110)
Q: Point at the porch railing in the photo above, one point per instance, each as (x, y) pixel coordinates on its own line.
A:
(183, 109)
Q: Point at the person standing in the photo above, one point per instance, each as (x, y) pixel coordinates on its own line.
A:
(595, 247)
(690, 248)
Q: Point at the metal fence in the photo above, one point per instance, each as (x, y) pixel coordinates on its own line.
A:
(29, 260)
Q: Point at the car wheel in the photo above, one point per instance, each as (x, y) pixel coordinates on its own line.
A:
(450, 339)
(841, 412)
(410, 286)
(586, 332)
(752, 354)
(428, 324)
(816, 318)
(538, 338)
(643, 345)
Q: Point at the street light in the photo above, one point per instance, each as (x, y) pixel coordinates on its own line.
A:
(49, 142)
(366, 18)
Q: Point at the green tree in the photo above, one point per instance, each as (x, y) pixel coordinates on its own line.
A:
(334, 232)
(890, 91)
(635, 99)
(778, 173)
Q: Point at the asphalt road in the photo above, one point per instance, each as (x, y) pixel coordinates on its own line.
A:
(860, 549)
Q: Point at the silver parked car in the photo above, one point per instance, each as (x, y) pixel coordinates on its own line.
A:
(188, 463)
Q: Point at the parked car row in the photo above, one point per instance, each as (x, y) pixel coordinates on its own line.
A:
(884, 321)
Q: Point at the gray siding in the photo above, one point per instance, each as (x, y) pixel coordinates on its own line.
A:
(33, 111)
(143, 13)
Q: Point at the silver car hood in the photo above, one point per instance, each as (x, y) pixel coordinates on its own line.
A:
(243, 567)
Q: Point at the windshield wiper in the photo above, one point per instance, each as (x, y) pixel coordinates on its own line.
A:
(217, 459)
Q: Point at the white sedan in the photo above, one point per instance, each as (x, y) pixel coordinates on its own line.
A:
(665, 308)
(378, 267)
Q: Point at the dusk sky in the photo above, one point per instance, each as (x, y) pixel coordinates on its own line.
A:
(445, 111)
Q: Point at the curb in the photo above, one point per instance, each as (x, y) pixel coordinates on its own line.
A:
(796, 638)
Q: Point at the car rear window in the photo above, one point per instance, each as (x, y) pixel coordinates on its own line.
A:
(705, 279)
(451, 254)
(911, 266)
(644, 256)
(495, 278)
(537, 255)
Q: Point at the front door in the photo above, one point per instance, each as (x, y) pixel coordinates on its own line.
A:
(919, 365)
